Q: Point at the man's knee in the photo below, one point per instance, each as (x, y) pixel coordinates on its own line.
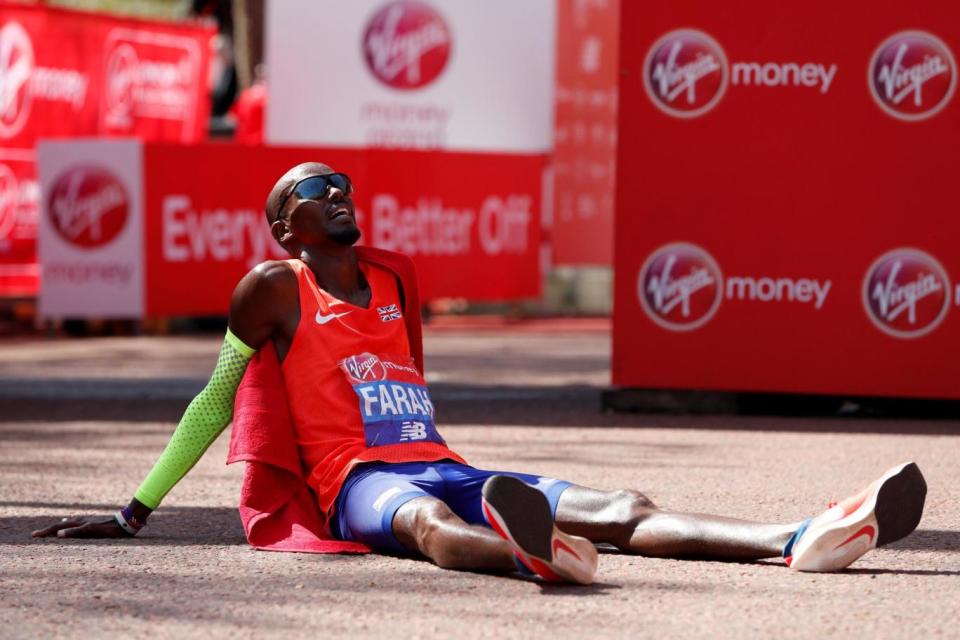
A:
(629, 507)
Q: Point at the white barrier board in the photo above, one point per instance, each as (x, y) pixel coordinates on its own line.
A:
(91, 229)
(456, 75)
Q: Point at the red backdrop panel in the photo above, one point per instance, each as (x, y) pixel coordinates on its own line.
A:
(470, 221)
(781, 225)
(19, 271)
(69, 73)
(586, 132)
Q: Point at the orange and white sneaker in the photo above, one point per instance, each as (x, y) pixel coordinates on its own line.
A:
(886, 511)
(521, 515)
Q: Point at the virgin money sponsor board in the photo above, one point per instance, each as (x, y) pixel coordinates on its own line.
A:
(794, 229)
(585, 139)
(420, 74)
(198, 235)
(154, 85)
(67, 73)
(90, 240)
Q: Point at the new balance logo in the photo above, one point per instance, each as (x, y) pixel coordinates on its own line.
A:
(324, 319)
(412, 430)
(389, 313)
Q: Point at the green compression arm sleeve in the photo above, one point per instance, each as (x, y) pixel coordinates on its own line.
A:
(205, 419)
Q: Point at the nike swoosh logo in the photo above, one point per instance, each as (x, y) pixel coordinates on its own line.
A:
(324, 319)
(866, 530)
(560, 544)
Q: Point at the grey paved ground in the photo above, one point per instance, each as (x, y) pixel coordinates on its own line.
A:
(81, 422)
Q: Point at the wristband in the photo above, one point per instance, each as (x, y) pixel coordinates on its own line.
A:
(126, 520)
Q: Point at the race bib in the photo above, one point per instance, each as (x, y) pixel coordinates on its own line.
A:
(395, 405)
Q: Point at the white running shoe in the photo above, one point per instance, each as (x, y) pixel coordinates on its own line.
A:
(521, 515)
(886, 511)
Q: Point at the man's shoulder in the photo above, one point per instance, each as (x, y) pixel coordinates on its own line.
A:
(273, 269)
(263, 301)
(268, 279)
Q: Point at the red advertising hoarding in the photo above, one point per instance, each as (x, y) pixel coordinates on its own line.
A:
(585, 138)
(67, 73)
(787, 198)
(19, 272)
(133, 230)
(473, 232)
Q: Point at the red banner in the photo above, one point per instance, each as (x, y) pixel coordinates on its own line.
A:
(586, 131)
(470, 221)
(67, 73)
(786, 201)
(19, 193)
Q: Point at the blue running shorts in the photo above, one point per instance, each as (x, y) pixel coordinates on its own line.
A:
(374, 492)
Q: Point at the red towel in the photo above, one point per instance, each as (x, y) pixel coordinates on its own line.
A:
(278, 510)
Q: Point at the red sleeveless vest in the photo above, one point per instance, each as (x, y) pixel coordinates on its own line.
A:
(353, 390)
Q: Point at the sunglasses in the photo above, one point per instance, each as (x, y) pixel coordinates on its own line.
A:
(317, 188)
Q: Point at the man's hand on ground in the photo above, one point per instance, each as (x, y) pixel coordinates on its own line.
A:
(76, 528)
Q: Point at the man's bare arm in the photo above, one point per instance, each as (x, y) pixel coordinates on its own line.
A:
(259, 309)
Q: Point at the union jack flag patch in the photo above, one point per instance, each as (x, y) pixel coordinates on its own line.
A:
(389, 313)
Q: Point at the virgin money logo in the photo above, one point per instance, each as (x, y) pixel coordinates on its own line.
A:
(9, 198)
(365, 367)
(88, 206)
(149, 78)
(16, 68)
(123, 78)
(912, 75)
(685, 73)
(406, 44)
(906, 293)
(22, 82)
(680, 286)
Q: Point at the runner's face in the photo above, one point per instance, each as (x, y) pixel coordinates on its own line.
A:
(330, 219)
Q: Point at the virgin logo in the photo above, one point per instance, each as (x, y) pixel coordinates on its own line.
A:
(906, 293)
(154, 83)
(16, 68)
(365, 367)
(407, 44)
(912, 75)
(88, 206)
(123, 77)
(680, 286)
(685, 73)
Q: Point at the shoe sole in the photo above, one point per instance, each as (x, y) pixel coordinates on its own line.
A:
(900, 504)
(524, 511)
(891, 512)
(522, 516)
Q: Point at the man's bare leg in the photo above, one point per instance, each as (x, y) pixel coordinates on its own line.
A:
(428, 526)
(632, 523)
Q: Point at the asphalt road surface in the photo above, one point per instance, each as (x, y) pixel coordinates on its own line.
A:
(81, 422)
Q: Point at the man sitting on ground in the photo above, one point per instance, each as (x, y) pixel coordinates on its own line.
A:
(380, 470)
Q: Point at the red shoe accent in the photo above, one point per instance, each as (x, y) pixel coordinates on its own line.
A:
(532, 564)
(866, 530)
(542, 570)
(560, 544)
(493, 523)
(788, 560)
